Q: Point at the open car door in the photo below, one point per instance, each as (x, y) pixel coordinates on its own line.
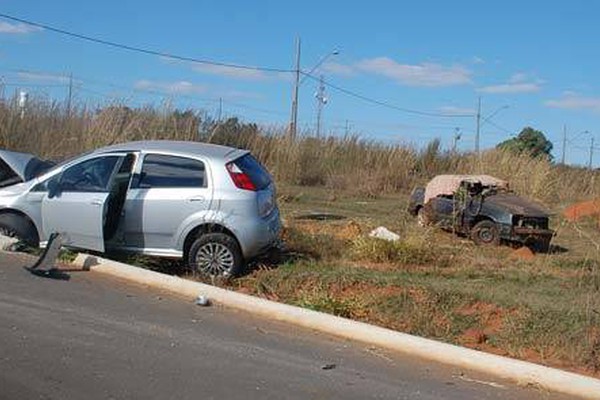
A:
(77, 201)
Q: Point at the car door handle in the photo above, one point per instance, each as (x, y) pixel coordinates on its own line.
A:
(96, 202)
(196, 198)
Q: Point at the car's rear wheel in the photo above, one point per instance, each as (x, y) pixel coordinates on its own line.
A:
(215, 255)
(485, 232)
(19, 227)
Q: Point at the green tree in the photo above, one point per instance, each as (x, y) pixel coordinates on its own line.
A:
(529, 141)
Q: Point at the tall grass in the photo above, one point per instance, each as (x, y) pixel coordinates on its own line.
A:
(349, 163)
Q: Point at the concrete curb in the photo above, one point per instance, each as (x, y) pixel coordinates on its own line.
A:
(520, 371)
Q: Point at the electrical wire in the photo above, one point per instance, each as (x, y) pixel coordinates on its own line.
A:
(228, 65)
(140, 49)
(384, 103)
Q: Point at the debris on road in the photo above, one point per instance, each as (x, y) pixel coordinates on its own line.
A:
(8, 243)
(202, 301)
(328, 367)
(384, 233)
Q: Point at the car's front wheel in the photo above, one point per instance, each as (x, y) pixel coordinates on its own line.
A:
(485, 232)
(17, 226)
(215, 255)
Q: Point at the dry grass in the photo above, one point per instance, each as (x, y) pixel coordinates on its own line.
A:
(348, 164)
(430, 283)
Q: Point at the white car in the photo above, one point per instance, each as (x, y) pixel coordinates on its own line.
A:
(212, 205)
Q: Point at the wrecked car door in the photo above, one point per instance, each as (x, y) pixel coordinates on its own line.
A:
(76, 204)
(151, 221)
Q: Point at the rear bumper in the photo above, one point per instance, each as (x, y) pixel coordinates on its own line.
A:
(262, 235)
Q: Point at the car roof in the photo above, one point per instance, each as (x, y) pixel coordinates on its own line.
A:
(207, 150)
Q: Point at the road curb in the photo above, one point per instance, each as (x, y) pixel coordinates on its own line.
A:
(522, 372)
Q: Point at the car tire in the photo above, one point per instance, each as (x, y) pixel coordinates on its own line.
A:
(19, 227)
(215, 255)
(485, 233)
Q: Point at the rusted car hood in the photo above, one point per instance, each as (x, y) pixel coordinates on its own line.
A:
(516, 205)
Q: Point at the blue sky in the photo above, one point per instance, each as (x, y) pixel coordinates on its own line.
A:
(533, 63)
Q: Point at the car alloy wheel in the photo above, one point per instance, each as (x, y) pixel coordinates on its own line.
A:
(215, 259)
(215, 254)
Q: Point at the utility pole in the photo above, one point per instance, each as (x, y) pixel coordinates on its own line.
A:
(321, 101)
(564, 145)
(591, 152)
(478, 126)
(455, 139)
(294, 116)
(347, 128)
(70, 94)
(220, 108)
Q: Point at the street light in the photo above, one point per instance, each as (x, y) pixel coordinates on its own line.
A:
(297, 82)
(334, 52)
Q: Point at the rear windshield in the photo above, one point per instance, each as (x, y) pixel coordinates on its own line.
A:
(254, 169)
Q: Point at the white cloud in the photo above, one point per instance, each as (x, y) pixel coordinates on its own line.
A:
(338, 69)
(511, 88)
(425, 74)
(452, 110)
(42, 77)
(519, 82)
(18, 28)
(180, 87)
(477, 60)
(573, 101)
(230, 72)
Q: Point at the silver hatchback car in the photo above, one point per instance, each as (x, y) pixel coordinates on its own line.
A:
(213, 206)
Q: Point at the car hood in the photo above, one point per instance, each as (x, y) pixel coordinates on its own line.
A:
(517, 205)
(20, 167)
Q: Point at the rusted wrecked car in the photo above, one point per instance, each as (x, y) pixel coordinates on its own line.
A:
(483, 208)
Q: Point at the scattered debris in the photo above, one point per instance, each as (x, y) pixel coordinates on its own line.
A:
(8, 243)
(576, 211)
(384, 233)
(203, 301)
(462, 377)
(45, 265)
(328, 366)
(523, 253)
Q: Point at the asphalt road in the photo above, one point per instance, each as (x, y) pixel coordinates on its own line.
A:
(93, 337)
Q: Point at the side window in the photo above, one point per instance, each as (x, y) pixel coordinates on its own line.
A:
(162, 171)
(89, 176)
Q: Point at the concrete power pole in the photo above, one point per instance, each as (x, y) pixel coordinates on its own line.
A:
(591, 152)
(477, 131)
(70, 94)
(321, 101)
(294, 116)
(564, 145)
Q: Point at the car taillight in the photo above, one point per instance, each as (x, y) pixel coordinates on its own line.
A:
(240, 179)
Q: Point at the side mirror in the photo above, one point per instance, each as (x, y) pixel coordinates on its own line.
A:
(53, 188)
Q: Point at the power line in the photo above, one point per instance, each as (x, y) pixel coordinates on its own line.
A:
(384, 103)
(140, 49)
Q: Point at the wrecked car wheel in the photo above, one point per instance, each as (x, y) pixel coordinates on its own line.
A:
(485, 232)
(19, 227)
(215, 254)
